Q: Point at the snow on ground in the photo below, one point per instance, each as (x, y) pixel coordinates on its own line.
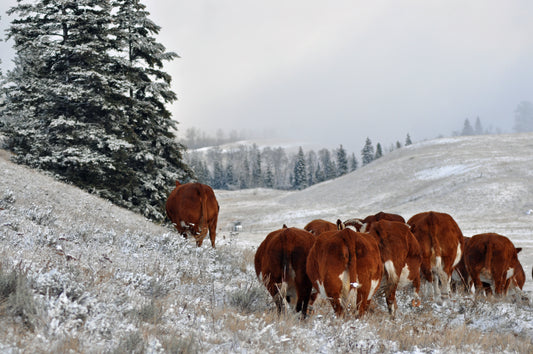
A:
(104, 279)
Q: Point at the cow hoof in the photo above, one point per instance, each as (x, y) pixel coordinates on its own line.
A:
(416, 302)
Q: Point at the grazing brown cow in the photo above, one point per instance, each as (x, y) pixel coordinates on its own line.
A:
(280, 264)
(492, 258)
(344, 266)
(400, 254)
(363, 225)
(441, 243)
(193, 209)
(318, 226)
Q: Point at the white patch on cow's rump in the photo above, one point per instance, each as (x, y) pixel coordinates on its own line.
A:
(373, 287)
(391, 271)
(457, 256)
(404, 277)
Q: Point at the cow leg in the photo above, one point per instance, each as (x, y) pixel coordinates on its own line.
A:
(499, 284)
(425, 269)
(213, 232)
(477, 283)
(303, 293)
(273, 289)
(362, 300)
(390, 295)
(415, 281)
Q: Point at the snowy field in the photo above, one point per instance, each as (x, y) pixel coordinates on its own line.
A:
(97, 278)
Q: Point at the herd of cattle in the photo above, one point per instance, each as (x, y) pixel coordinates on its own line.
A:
(348, 262)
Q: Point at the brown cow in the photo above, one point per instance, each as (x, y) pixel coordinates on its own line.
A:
(492, 258)
(363, 225)
(441, 243)
(193, 209)
(342, 261)
(400, 254)
(318, 226)
(280, 264)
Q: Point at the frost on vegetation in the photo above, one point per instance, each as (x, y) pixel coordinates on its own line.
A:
(16, 298)
(41, 216)
(55, 283)
(7, 200)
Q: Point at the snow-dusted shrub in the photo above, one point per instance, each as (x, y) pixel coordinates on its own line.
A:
(131, 343)
(16, 298)
(250, 298)
(177, 343)
(7, 199)
(151, 312)
(41, 216)
(55, 282)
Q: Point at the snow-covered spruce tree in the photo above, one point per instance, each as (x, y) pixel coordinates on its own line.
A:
(86, 100)
(379, 152)
(353, 163)
(408, 140)
(300, 172)
(342, 161)
(367, 154)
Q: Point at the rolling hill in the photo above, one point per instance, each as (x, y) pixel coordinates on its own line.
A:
(99, 278)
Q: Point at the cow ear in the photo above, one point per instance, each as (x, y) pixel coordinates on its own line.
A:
(518, 249)
(284, 226)
(340, 225)
(178, 183)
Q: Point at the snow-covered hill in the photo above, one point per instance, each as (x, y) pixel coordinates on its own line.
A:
(102, 279)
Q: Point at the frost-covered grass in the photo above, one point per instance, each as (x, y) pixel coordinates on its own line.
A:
(78, 274)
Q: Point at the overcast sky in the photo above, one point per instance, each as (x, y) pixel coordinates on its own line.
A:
(335, 72)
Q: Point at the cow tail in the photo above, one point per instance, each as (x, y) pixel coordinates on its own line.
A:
(488, 256)
(285, 264)
(350, 254)
(203, 216)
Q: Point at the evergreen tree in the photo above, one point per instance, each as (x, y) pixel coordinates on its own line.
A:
(319, 174)
(367, 153)
(408, 140)
(269, 177)
(311, 163)
(353, 163)
(230, 175)
(398, 145)
(478, 130)
(467, 128)
(257, 175)
(244, 178)
(523, 117)
(219, 176)
(300, 173)
(87, 100)
(202, 173)
(330, 170)
(379, 152)
(342, 161)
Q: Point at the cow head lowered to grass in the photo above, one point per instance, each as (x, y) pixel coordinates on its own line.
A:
(193, 210)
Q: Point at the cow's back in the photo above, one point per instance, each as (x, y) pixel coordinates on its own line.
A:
(441, 244)
(280, 264)
(193, 209)
(493, 258)
(318, 226)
